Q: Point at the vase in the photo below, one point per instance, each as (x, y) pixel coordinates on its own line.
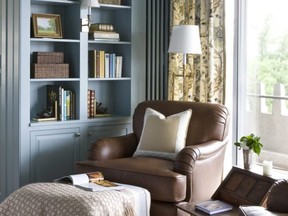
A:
(247, 158)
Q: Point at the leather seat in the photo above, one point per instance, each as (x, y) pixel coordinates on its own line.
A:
(276, 202)
(193, 176)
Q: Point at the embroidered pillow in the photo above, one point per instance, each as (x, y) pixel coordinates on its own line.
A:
(163, 137)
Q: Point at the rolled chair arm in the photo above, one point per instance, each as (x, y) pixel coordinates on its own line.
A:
(187, 157)
(278, 197)
(199, 163)
(111, 148)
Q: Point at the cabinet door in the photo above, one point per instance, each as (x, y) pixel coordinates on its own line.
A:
(96, 132)
(53, 153)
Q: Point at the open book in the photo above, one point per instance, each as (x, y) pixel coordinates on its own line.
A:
(93, 181)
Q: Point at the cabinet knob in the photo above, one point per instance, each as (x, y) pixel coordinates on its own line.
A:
(77, 134)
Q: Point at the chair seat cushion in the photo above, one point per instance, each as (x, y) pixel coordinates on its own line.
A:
(154, 174)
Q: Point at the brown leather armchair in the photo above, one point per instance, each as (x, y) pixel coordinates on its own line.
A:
(193, 176)
(276, 202)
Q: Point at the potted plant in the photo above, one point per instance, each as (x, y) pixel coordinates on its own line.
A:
(249, 144)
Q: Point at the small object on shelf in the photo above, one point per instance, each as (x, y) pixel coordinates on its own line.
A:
(101, 27)
(47, 114)
(50, 71)
(48, 57)
(115, 2)
(213, 206)
(47, 26)
(100, 109)
(49, 65)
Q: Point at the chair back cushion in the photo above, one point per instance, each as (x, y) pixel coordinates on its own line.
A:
(163, 136)
(209, 121)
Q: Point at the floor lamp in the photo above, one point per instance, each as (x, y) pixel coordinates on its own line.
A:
(185, 39)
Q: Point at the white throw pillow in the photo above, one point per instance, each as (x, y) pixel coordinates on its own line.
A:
(163, 137)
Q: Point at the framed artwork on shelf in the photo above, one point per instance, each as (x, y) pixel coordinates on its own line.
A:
(47, 25)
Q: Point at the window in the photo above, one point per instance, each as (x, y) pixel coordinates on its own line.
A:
(263, 76)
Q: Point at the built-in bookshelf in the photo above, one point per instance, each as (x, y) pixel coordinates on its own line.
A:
(41, 151)
(69, 44)
(113, 91)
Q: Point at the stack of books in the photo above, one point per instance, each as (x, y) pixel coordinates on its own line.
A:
(100, 31)
(104, 65)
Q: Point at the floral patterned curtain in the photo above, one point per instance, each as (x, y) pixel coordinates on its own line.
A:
(205, 73)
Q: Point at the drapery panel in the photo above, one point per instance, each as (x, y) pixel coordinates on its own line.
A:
(205, 73)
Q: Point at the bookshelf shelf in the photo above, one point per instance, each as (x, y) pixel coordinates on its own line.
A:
(114, 7)
(53, 40)
(55, 2)
(55, 80)
(109, 42)
(110, 79)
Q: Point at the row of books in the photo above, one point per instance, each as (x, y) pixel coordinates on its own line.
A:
(65, 100)
(104, 65)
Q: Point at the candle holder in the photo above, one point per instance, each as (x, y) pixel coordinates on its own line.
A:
(267, 168)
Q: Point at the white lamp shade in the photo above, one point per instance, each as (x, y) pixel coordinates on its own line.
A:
(90, 3)
(185, 39)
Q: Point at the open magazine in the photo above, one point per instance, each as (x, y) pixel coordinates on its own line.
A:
(93, 181)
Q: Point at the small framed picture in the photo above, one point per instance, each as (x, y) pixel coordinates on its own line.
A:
(47, 25)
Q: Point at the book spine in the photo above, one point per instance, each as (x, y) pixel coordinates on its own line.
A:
(72, 104)
(107, 56)
(114, 65)
(119, 60)
(60, 104)
(64, 105)
(110, 65)
(92, 63)
(68, 114)
(104, 35)
(97, 64)
(92, 99)
(102, 63)
(101, 27)
(88, 103)
(95, 105)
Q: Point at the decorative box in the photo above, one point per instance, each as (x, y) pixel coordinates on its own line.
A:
(115, 2)
(50, 71)
(243, 187)
(48, 57)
